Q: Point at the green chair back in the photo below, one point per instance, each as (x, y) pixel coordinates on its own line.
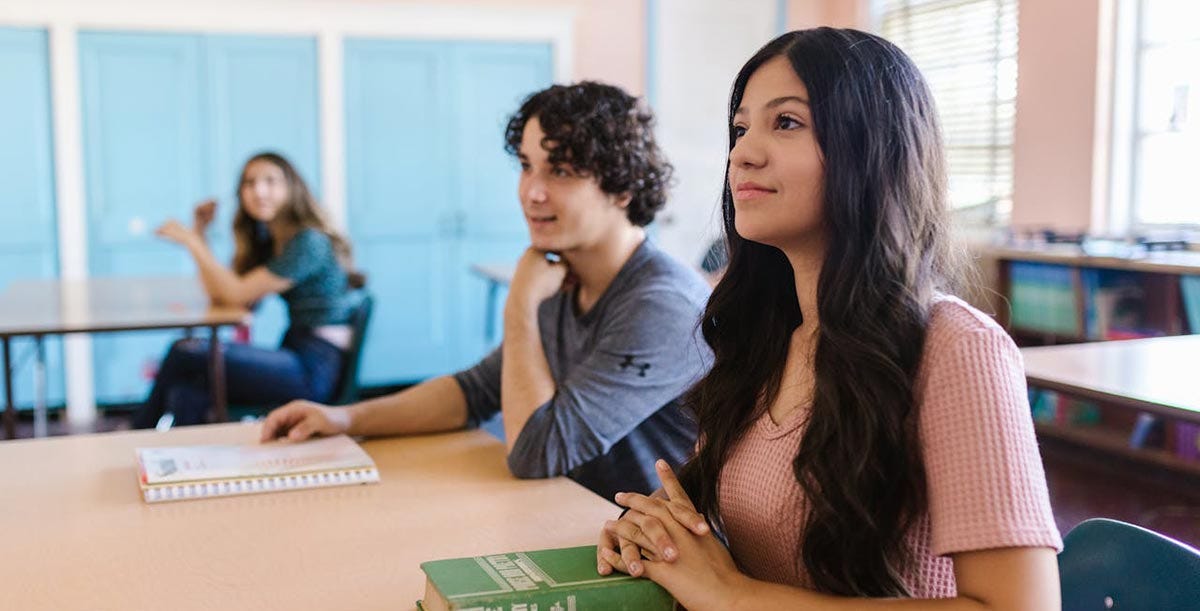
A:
(1106, 564)
(346, 390)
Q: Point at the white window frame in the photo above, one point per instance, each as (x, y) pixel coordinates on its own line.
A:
(1126, 136)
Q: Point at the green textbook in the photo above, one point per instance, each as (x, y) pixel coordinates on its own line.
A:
(545, 580)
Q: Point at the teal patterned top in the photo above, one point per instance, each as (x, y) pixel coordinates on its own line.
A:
(320, 293)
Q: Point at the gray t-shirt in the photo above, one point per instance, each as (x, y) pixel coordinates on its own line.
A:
(618, 370)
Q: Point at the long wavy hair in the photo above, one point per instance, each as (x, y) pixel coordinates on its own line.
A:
(253, 245)
(884, 209)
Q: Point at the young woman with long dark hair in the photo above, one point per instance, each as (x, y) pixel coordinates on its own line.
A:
(864, 435)
(284, 246)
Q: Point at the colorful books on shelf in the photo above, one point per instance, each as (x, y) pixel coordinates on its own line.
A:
(1190, 287)
(1043, 298)
(1115, 305)
(1187, 441)
(191, 472)
(546, 580)
(1050, 407)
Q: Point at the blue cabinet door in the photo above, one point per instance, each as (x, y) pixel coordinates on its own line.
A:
(144, 162)
(28, 236)
(491, 81)
(400, 195)
(261, 95)
(168, 121)
(431, 190)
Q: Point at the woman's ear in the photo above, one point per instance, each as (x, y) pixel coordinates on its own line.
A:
(622, 201)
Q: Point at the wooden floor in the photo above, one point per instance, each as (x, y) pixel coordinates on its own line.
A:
(1083, 484)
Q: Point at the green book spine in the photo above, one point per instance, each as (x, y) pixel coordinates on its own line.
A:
(545, 580)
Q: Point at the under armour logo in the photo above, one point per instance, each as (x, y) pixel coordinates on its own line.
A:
(641, 367)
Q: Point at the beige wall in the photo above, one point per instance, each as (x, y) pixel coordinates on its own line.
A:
(1058, 150)
(837, 13)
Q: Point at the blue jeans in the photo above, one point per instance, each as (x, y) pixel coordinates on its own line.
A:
(304, 367)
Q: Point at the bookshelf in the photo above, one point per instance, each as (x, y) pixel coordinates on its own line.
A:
(1116, 443)
(1057, 294)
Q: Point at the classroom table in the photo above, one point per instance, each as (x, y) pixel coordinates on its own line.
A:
(77, 534)
(496, 275)
(38, 308)
(1156, 375)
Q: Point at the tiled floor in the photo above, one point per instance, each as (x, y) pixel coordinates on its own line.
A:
(1082, 485)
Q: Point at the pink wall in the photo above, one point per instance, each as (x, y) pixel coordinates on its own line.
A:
(610, 43)
(1055, 146)
(837, 13)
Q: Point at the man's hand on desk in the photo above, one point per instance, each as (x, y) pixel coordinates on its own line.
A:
(301, 419)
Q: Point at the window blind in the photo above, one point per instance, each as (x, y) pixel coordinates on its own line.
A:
(967, 50)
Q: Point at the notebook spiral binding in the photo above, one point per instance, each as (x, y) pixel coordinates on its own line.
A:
(254, 485)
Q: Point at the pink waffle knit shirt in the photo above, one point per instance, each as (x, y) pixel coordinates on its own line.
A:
(986, 487)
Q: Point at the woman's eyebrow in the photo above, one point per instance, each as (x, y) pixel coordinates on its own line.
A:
(776, 102)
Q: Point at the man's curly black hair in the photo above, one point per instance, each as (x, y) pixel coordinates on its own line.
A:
(599, 130)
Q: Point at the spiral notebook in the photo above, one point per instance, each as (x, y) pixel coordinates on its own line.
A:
(192, 472)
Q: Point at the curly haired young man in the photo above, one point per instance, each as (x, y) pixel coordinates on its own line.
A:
(599, 340)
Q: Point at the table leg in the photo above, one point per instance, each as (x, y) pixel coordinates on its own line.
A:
(40, 428)
(216, 376)
(10, 409)
(489, 316)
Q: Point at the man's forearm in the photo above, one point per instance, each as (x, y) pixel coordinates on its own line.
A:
(430, 407)
(525, 379)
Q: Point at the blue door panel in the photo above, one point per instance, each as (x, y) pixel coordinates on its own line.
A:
(431, 190)
(144, 163)
(491, 81)
(143, 139)
(410, 336)
(28, 235)
(398, 182)
(262, 95)
(399, 192)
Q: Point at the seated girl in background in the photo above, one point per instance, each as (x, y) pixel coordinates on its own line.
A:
(864, 435)
(285, 246)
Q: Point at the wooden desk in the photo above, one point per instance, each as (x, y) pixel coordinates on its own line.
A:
(1156, 375)
(40, 308)
(77, 534)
